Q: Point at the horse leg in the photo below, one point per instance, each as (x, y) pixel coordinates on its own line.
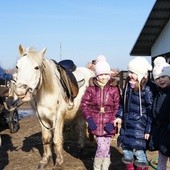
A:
(46, 140)
(58, 140)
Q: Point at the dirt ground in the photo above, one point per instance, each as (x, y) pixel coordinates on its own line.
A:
(23, 150)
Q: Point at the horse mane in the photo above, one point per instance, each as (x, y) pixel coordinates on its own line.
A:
(47, 76)
(45, 67)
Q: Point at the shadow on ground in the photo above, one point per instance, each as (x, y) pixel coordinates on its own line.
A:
(23, 150)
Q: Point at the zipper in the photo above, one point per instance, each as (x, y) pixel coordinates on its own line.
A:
(102, 101)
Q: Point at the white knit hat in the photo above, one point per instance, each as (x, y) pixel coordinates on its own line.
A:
(139, 66)
(102, 67)
(161, 68)
(101, 58)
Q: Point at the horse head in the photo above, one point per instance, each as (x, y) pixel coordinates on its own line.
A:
(28, 75)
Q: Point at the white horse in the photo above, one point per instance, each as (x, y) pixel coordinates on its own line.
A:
(38, 81)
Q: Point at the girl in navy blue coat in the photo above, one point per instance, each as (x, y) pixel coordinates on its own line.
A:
(161, 110)
(135, 115)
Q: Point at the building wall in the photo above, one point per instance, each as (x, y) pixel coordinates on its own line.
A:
(162, 44)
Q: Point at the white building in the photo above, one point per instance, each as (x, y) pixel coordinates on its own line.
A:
(154, 39)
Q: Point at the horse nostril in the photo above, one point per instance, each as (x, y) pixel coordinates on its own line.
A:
(24, 86)
(30, 90)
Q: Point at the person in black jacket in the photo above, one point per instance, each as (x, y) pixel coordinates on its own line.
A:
(135, 115)
(161, 110)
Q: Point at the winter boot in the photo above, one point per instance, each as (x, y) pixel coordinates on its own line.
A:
(97, 165)
(106, 164)
(130, 166)
(141, 166)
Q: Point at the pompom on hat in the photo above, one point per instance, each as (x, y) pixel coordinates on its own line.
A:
(161, 68)
(101, 58)
(102, 66)
(159, 60)
(139, 66)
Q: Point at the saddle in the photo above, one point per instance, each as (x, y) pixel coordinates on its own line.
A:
(68, 80)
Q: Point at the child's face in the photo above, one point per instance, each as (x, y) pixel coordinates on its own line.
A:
(103, 78)
(163, 81)
(132, 76)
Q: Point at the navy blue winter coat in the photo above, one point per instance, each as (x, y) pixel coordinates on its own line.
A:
(135, 124)
(161, 115)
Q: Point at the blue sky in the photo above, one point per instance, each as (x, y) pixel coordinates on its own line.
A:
(72, 29)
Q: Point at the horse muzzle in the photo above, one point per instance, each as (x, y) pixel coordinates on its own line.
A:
(24, 94)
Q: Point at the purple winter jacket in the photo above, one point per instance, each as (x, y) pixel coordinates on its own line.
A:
(102, 104)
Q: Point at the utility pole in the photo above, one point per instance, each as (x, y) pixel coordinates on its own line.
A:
(60, 51)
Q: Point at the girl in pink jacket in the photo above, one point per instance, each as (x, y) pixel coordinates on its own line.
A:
(99, 106)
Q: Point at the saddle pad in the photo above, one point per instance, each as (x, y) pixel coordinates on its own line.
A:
(79, 77)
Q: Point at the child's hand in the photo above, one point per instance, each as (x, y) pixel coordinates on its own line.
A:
(117, 121)
(92, 124)
(109, 127)
(147, 136)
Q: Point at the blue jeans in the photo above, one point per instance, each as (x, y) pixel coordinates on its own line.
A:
(139, 154)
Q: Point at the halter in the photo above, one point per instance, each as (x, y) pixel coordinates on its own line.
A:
(40, 78)
(41, 70)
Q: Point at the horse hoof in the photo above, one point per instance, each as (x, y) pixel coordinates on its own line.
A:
(41, 166)
(58, 167)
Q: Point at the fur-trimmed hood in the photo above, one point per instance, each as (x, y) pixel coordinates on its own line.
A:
(112, 82)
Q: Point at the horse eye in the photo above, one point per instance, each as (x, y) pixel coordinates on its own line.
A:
(16, 67)
(36, 68)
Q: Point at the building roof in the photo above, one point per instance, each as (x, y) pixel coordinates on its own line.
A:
(155, 23)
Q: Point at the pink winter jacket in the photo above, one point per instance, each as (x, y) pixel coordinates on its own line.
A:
(101, 104)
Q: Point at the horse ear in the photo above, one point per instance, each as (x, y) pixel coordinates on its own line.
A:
(21, 50)
(43, 51)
